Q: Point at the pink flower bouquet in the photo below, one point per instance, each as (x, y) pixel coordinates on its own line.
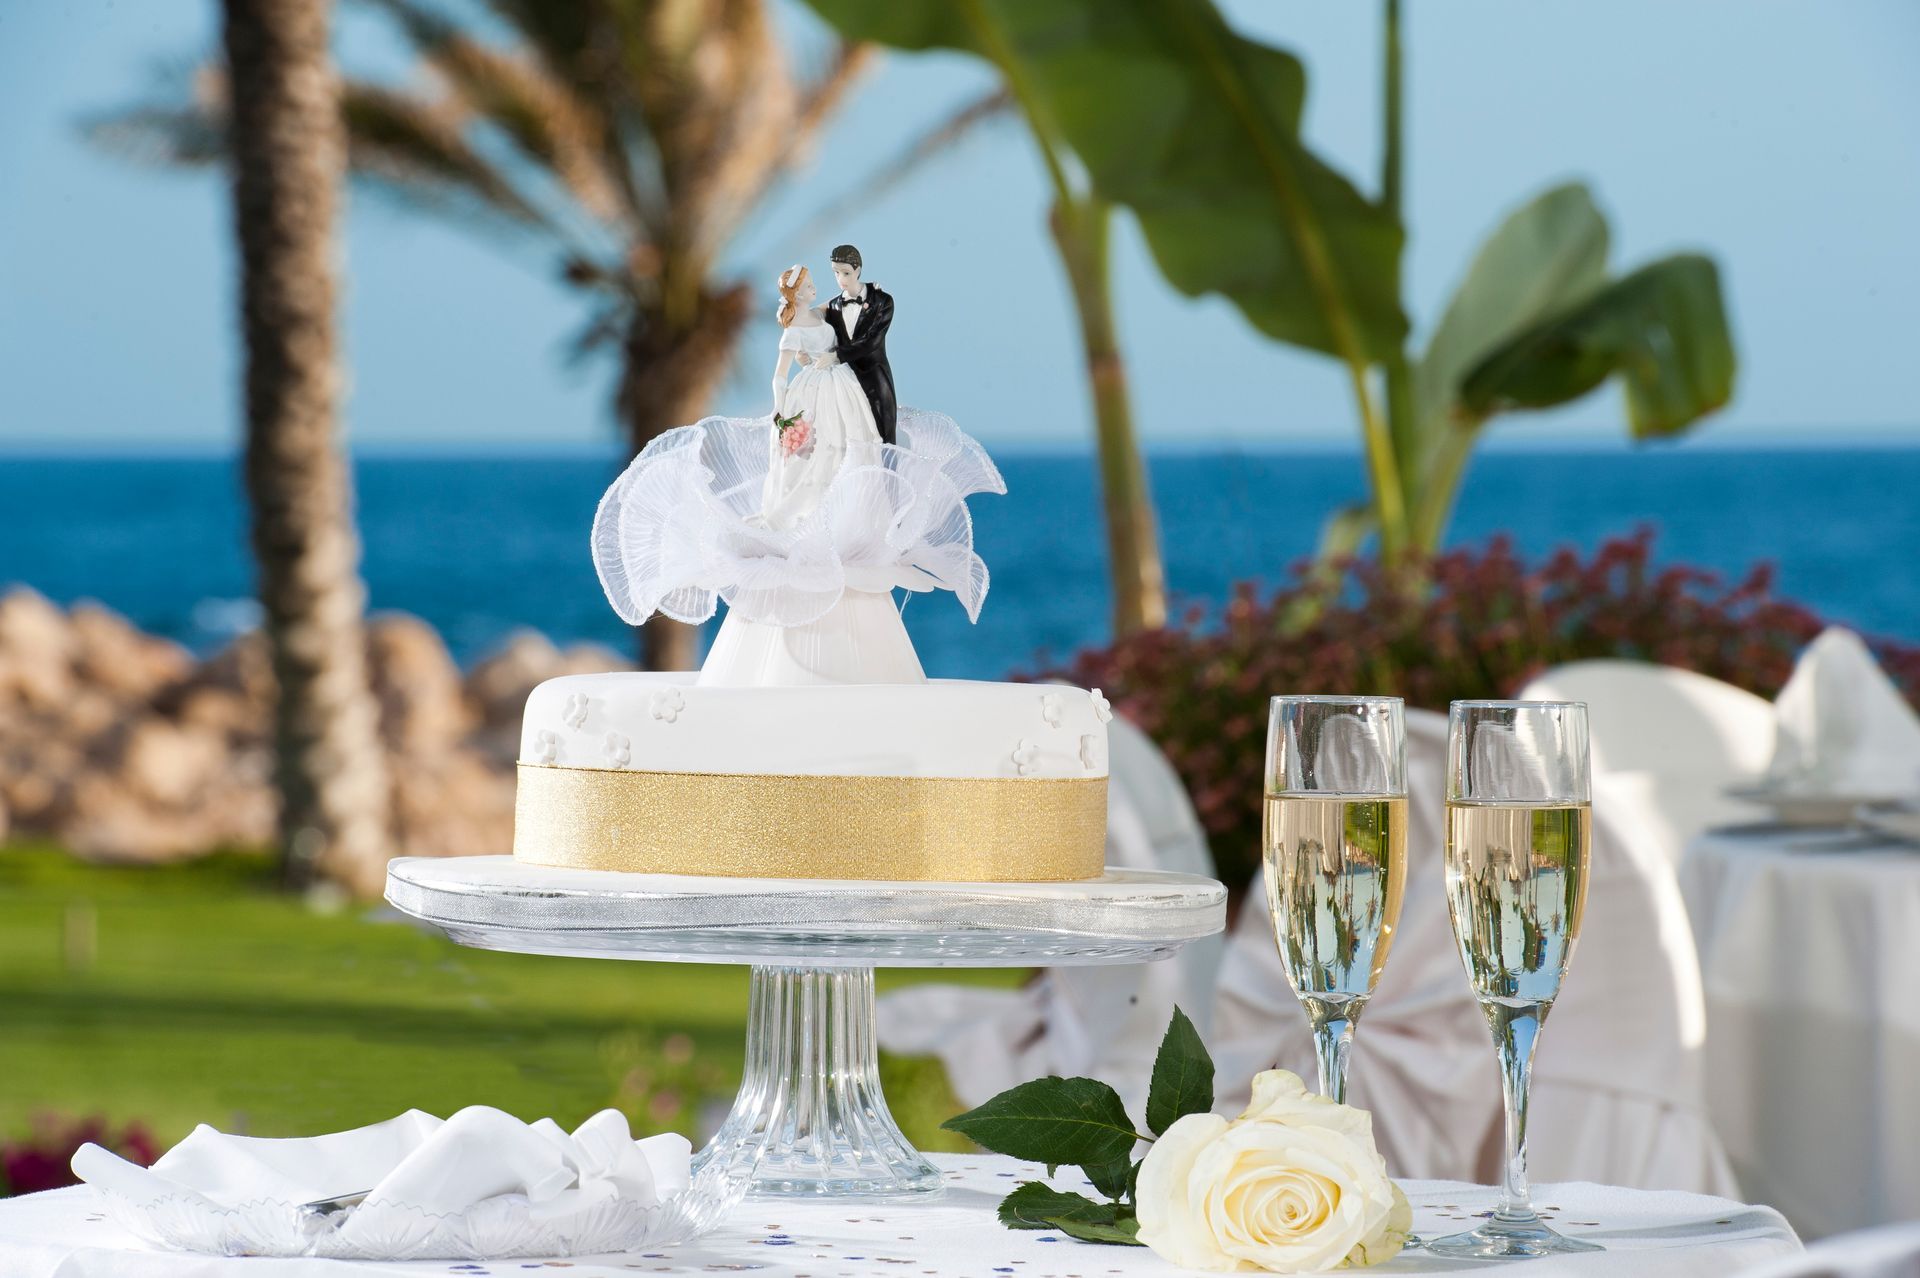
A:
(796, 432)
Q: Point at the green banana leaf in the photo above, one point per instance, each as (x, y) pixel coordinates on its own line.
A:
(1546, 255)
(1196, 129)
(1663, 329)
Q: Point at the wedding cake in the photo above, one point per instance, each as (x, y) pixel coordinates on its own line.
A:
(810, 744)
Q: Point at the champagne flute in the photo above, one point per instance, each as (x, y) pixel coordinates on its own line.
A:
(1519, 812)
(1336, 857)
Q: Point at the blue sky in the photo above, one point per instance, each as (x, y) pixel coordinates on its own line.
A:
(1784, 136)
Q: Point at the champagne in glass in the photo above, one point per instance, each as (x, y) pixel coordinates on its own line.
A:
(1336, 857)
(1519, 817)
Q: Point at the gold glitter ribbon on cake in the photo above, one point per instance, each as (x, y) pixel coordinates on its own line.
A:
(953, 829)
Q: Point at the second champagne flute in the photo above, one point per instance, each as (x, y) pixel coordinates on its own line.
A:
(1519, 813)
(1336, 857)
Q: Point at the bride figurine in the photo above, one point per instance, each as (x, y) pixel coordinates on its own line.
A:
(822, 419)
(803, 524)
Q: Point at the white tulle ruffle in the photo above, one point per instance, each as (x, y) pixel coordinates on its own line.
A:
(679, 530)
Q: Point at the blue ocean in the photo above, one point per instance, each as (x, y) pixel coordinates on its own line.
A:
(480, 546)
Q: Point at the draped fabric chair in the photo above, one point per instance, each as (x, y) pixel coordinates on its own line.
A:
(1101, 1022)
(1617, 1086)
(1617, 1095)
(1679, 737)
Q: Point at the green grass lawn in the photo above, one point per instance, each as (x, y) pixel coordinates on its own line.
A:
(198, 993)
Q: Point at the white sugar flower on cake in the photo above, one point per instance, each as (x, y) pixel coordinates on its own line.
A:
(667, 704)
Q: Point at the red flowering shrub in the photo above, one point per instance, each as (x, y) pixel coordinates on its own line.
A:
(41, 1161)
(1483, 624)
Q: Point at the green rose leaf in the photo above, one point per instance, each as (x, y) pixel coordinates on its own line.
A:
(1182, 1076)
(1053, 1120)
(1121, 1233)
(1112, 1179)
(1039, 1206)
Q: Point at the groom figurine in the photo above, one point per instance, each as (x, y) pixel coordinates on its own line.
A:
(861, 316)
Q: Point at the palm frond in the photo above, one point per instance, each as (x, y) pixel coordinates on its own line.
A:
(822, 97)
(563, 36)
(163, 136)
(516, 92)
(713, 84)
(419, 147)
(923, 150)
(604, 328)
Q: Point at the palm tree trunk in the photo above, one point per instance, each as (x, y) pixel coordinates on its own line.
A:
(1081, 227)
(667, 379)
(288, 156)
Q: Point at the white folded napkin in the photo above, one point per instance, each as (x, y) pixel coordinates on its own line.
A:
(1844, 729)
(411, 1168)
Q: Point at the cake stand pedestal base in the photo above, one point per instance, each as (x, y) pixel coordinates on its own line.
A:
(810, 1120)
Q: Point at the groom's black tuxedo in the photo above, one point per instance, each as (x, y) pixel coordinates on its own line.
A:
(865, 352)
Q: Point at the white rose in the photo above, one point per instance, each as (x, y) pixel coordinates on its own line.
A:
(1294, 1184)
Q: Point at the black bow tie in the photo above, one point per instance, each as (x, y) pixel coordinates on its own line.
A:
(844, 300)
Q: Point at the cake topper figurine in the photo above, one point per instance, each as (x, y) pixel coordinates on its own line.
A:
(806, 520)
(822, 419)
(861, 316)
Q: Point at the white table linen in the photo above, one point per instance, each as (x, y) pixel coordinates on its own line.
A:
(480, 1182)
(1810, 953)
(62, 1234)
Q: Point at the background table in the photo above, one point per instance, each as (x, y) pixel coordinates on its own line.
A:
(1648, 1235)
(1810, 955)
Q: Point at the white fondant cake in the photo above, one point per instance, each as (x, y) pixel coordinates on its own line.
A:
(945, 780)
(942, 728)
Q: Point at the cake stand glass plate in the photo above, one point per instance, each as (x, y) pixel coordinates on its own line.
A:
(810, 1119)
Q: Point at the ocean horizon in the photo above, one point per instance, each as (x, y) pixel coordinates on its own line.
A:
(1519, 442)
(484, 542)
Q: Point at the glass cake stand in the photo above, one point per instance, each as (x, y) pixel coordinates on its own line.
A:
(810, 1119)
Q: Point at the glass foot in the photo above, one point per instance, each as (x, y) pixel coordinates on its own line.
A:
(1507, 1238)
(810, 1120)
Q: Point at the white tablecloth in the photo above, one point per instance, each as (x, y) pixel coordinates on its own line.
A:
(1810, 954)
(1649, 1235)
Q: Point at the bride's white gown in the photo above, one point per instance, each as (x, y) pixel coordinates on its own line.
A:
(830, 399)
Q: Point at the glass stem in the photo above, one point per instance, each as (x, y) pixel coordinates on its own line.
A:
(1332, 1043)
(1516, 1028)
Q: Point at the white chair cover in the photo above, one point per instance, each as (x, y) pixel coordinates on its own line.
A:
(1102, 1022)
(1422, 1059)
(1617, 1083)
(1679, 737)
